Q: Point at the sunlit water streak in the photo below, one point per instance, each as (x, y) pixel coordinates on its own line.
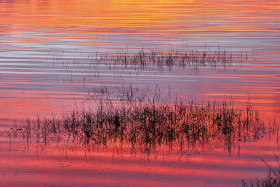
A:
(46, 47)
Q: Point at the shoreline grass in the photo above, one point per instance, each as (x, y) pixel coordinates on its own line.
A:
(272, 178)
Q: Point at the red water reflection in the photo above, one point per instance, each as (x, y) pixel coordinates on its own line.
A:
(100, 168)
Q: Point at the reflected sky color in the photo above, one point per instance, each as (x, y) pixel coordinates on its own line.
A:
(46, 51)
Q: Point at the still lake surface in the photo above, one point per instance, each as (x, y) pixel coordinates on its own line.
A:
(46, 51)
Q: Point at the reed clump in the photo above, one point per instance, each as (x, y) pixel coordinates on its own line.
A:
(147, 123)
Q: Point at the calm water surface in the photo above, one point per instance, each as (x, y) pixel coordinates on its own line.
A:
(46, 51)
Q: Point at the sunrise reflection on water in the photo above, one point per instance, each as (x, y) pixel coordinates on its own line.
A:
(50, 63)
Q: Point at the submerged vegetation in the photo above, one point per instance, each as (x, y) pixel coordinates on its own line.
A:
(145, 121)
(191, 58)
(194, 60)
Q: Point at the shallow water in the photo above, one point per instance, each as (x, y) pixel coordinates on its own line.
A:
(46, 51)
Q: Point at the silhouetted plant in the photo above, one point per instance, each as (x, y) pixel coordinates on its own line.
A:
(147, 121)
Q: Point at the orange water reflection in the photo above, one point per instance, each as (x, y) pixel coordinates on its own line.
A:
(143, 17)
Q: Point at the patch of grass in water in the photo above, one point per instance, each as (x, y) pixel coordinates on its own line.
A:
(146, 124)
